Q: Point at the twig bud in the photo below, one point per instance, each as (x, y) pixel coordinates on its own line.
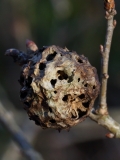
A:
(110, 135)
(114, 23)
(109, 5)
(31, 45)
(101, 49)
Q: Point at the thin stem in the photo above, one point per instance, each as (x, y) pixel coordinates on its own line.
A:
(105, 51)
(101, 116)
(8, 121)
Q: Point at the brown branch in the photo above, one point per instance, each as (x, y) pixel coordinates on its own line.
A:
(8, 121)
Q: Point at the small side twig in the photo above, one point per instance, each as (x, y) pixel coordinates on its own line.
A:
(7, 120)
(109, 123)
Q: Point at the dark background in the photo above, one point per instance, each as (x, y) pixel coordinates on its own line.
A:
(80, 26)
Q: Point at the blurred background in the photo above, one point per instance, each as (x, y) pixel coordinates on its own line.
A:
(80, 26)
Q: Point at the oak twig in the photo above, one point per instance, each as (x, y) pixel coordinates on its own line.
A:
(104, 62)
(7, 120)
(101, 116)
